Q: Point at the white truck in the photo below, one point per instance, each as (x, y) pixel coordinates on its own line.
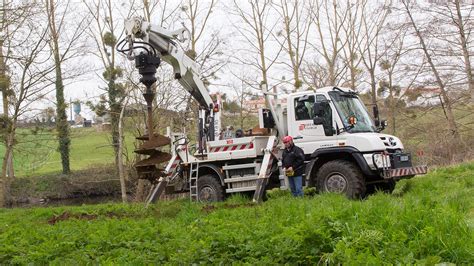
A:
(345, 151)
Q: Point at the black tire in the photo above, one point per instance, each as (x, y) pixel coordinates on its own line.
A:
(343, 177)
(386, 187)
(210, 189)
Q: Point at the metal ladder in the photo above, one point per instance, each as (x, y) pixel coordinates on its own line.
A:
(193, 182)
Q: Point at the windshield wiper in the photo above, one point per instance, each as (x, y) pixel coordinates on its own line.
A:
(345, 129)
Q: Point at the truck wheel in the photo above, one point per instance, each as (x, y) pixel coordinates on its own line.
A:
(386, 187)
(341, 177)
(210, 189)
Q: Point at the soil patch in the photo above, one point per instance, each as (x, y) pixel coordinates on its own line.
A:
(67, 215)
(81, 216)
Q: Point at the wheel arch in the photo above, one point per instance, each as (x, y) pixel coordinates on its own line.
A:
(322, 156)
(211, 169)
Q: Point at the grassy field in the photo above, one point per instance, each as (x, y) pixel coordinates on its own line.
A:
(427, 220)
(36, 153)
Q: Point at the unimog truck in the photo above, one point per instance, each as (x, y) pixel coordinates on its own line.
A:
(344, 147)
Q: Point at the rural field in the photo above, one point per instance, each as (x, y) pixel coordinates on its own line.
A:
(37, 152)
(428, 220)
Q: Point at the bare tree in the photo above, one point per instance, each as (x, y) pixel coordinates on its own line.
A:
(206, 52)
(464, 26)
(58, 32)
(453, 21)
(372, 23)
(315, 74)
(257, 29)
(447, 104)
(399, 72)
(295, 34)
(25, 41)
(105, 32)
(12, 18)
(352, 32)
(329, 16)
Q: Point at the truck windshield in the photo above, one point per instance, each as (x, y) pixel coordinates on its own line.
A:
(349, 105)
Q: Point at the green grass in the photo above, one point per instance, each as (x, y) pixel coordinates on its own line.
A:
(36, 153)
(429, 220)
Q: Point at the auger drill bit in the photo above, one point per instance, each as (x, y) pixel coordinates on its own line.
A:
(148, 168)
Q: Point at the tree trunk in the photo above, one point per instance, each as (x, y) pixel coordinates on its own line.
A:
(123, 187)
(447, 102)
(465, 50)
(373, 86)
(392, 104)
(115, 109)
(5, 178)
(331, 81)
(62, 125)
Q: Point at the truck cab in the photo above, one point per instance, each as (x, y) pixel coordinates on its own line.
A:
(345, 150)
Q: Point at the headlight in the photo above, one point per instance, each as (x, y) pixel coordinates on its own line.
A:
(392, 141)
(381, 160)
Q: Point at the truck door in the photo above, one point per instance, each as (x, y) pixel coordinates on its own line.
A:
(306, 134)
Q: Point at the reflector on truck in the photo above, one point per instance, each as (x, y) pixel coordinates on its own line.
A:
(407, 171)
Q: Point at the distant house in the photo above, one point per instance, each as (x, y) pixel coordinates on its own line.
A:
(254, 104)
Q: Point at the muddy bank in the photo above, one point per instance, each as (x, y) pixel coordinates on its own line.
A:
(91, 186)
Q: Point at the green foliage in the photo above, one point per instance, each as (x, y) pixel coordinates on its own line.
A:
(431, 223)
(310, 191)
(109, 39)
(112, 73)
(278, 193)
(191, 53)
(99, 108)
(298, 83)
(5, 83)
(231, 106)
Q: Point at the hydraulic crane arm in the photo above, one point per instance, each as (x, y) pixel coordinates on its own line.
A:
(156, 44)
(186, 71)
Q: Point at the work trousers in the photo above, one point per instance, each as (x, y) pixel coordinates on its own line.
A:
(296, 185)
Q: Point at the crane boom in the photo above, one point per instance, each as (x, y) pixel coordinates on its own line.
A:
(186, 71)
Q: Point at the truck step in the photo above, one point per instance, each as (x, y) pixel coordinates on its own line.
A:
(240, 179)
(240, 189)
(239, 166)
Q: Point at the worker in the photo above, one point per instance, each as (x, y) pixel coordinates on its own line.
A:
(293, 164)
(239, 133)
